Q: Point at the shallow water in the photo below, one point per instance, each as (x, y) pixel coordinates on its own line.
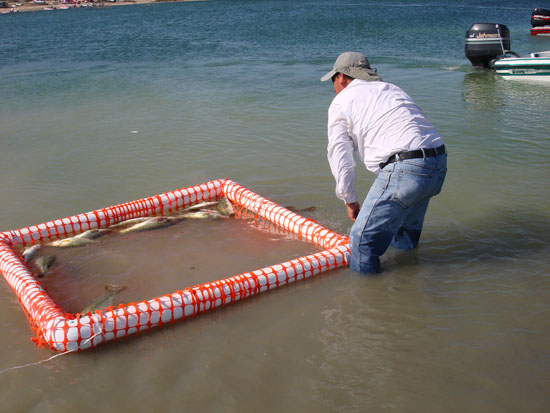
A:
(152, 263)
(99, 107)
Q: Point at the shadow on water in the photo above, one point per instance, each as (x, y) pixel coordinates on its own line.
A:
(498, 237)
(493, 237)
(503, 239)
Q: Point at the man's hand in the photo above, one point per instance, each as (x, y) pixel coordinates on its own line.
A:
(353, 210)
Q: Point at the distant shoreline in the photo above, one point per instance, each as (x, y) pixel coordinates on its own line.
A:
(20, 6)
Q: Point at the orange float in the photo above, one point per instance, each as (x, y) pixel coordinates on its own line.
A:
(64, 331)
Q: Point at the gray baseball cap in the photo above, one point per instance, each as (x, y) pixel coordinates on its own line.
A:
(353, 64)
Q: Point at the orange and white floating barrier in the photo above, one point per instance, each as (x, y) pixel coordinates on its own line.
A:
(64, 331)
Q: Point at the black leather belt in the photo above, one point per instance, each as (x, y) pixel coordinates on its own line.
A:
(419, 153)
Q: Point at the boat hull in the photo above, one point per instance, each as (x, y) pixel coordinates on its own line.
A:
(534, 67)
(540, 31)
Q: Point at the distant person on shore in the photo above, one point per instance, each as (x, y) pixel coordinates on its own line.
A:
(388, 133)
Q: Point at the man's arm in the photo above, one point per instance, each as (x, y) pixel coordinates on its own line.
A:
(340, 155)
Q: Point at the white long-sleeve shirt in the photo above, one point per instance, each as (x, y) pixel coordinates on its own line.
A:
(373, 120)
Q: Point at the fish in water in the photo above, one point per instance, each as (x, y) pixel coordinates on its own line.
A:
(72, 242)
(225, 207)
(104, 301)
(85, 238)
(93, 233)
(151, 223)
(30, 252)
(202, 205)
(203, 214)
(307, 209)
(128, 222)
(43, 264)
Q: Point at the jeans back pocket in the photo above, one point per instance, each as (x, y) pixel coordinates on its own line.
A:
(413, 185)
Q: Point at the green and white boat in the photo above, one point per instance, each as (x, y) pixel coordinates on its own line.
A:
(535, 66)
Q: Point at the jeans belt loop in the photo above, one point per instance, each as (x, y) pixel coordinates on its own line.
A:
(424, 153)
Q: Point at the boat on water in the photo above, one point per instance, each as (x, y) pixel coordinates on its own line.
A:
(535, 66)
(540, 22)
(488, 46)
(540, 31)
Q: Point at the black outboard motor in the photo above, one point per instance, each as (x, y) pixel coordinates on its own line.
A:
(540, 17)
(485, 41)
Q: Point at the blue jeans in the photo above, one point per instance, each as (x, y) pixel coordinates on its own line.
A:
(393, 211)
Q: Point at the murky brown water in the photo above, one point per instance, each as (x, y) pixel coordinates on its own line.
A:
(336, 342)
(152, 263)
